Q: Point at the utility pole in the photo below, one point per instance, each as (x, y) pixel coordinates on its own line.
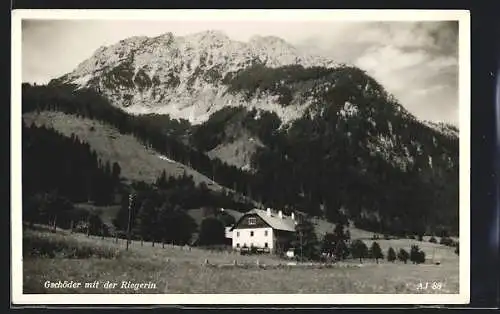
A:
(301, 248)
(130, 199)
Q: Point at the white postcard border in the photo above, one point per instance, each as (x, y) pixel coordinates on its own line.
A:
(463, 297)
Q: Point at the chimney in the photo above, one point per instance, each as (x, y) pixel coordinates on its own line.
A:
(280, 214)
(269, 212)
(293, 216)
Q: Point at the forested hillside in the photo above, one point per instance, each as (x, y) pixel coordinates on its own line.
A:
(355, 152)
(156, 131)
(60, 172)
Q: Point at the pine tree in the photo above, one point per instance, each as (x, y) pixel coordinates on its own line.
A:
(376, 252)
(391, 255)
(416, 255)
(306, 243)
(403, 255)
(359, 250)
(211, 232)
(116, 172)
(146, 220)
(414, 250)
(341, 250)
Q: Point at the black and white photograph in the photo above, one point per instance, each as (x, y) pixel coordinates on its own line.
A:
(240, 156)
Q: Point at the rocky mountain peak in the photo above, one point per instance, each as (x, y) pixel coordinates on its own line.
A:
(183, 75)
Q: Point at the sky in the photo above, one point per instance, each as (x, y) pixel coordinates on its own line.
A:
(417, 62)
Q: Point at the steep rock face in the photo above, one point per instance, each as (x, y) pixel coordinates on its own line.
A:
(182, 76)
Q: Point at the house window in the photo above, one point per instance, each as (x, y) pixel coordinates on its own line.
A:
(237, 233)
(238, 245)
(265, 245)
(265, 233)
(252, 221)
(251, 233)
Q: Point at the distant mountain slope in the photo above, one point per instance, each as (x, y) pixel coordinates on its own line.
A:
(137, 162)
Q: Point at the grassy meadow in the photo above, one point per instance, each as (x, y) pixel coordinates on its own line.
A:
(75, 257)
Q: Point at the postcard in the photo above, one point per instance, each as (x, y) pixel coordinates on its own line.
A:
(240, 157)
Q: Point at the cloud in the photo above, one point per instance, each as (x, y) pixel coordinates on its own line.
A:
(429, 91)
(417, 62)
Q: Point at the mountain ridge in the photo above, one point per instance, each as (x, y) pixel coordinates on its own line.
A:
(155, 74)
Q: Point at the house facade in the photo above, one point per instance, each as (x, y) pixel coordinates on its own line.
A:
(264, 230)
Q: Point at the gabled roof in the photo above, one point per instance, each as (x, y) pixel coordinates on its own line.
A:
(274, 221)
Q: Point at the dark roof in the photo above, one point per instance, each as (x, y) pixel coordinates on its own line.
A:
(286, 223)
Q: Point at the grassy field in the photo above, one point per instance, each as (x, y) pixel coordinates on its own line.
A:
(63, 256)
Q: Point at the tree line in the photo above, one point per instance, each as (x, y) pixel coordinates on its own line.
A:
(158, 212)
(337, 246)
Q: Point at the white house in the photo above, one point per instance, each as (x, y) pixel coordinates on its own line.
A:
(229, 232)
(264, 229)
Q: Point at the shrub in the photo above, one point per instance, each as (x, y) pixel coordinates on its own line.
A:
(253, 250)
